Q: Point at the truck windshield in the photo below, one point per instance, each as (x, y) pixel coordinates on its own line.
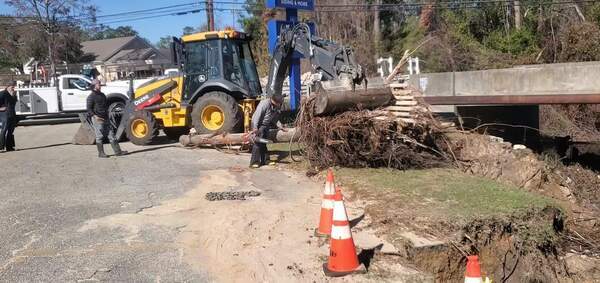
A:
(239, 66)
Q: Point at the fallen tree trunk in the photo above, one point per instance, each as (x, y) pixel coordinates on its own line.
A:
(331, 102)
(275, 136)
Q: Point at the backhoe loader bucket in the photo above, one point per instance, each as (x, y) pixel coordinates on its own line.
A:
(85, 135)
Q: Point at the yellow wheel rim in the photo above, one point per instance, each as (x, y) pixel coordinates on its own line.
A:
(139, 128)
(213, 117)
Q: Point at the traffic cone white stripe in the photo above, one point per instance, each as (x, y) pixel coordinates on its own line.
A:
(340, 232)
(329, 188)
(473, 280)
(327, 204)
(339, 211)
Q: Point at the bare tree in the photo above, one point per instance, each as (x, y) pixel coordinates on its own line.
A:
(50, 15)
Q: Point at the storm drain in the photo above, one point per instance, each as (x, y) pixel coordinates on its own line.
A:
(241, 195)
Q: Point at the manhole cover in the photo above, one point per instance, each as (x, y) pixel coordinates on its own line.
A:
(241, 195)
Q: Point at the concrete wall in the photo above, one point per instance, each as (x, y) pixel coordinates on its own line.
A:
(563, 78)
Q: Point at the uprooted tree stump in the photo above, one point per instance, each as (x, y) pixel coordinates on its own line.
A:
(371, 138)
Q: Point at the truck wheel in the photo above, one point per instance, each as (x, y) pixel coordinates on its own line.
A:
(173, 133)
(217, 112)
(141, 127)
(115, 113)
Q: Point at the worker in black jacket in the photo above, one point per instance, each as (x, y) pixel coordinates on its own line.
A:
(8, 117)
(97, 108)
(264, 118)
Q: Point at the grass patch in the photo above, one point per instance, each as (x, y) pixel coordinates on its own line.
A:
(284, 146)
(445, 193)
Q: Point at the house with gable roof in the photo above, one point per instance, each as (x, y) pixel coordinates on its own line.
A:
(114, 58)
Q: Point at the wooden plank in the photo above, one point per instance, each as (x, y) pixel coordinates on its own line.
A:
(405, 103)
(399, 85)
(401, 114)
(401, 91)
(401, 108)
(404, 97)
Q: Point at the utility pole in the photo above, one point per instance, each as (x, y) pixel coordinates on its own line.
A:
(376, 28)
(518, 16)
(210, 15)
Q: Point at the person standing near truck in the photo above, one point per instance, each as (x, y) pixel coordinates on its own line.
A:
(8, 117)
(97, 109)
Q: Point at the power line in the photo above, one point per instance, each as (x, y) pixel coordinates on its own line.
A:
(155, 16)
(152, 9)
(155, 13)
(185, 8)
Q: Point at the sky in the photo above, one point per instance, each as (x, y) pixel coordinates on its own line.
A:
(155, 28)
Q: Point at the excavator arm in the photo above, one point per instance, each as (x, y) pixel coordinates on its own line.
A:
(329, 60)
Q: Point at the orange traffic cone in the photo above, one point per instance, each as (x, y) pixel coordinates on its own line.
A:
(473, 272)
(342, 252)
(325, 220)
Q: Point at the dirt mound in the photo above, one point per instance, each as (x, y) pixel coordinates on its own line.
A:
(522, 248)
(575, 187)
(491, 157)
(581, 122)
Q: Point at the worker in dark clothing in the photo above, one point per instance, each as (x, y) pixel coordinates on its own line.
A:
(97, 108)
(264, 118)
(8, 117)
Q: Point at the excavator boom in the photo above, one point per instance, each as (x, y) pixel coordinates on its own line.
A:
(329, 60)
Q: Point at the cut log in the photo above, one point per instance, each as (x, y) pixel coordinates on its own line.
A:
(236, 139)
(338, 101)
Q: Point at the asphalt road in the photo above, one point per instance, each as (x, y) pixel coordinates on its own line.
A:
(51, 192)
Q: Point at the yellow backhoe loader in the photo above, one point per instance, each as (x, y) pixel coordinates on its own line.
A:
(218, 86)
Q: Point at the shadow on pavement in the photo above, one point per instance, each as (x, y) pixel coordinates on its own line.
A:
(150, 149)
(356, 220)
(43, 146)
(281, 155)
(160, 140)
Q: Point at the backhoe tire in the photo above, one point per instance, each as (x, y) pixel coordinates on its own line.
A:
(115, 113)
(173, 133)
(141, 127)
(217, 112)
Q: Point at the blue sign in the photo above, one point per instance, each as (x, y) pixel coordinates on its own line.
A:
(275, 26)
(291, 4)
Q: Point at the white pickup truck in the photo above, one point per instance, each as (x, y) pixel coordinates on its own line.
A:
(69, 96)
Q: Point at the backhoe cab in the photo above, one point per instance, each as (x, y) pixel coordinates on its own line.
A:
(216, 89)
